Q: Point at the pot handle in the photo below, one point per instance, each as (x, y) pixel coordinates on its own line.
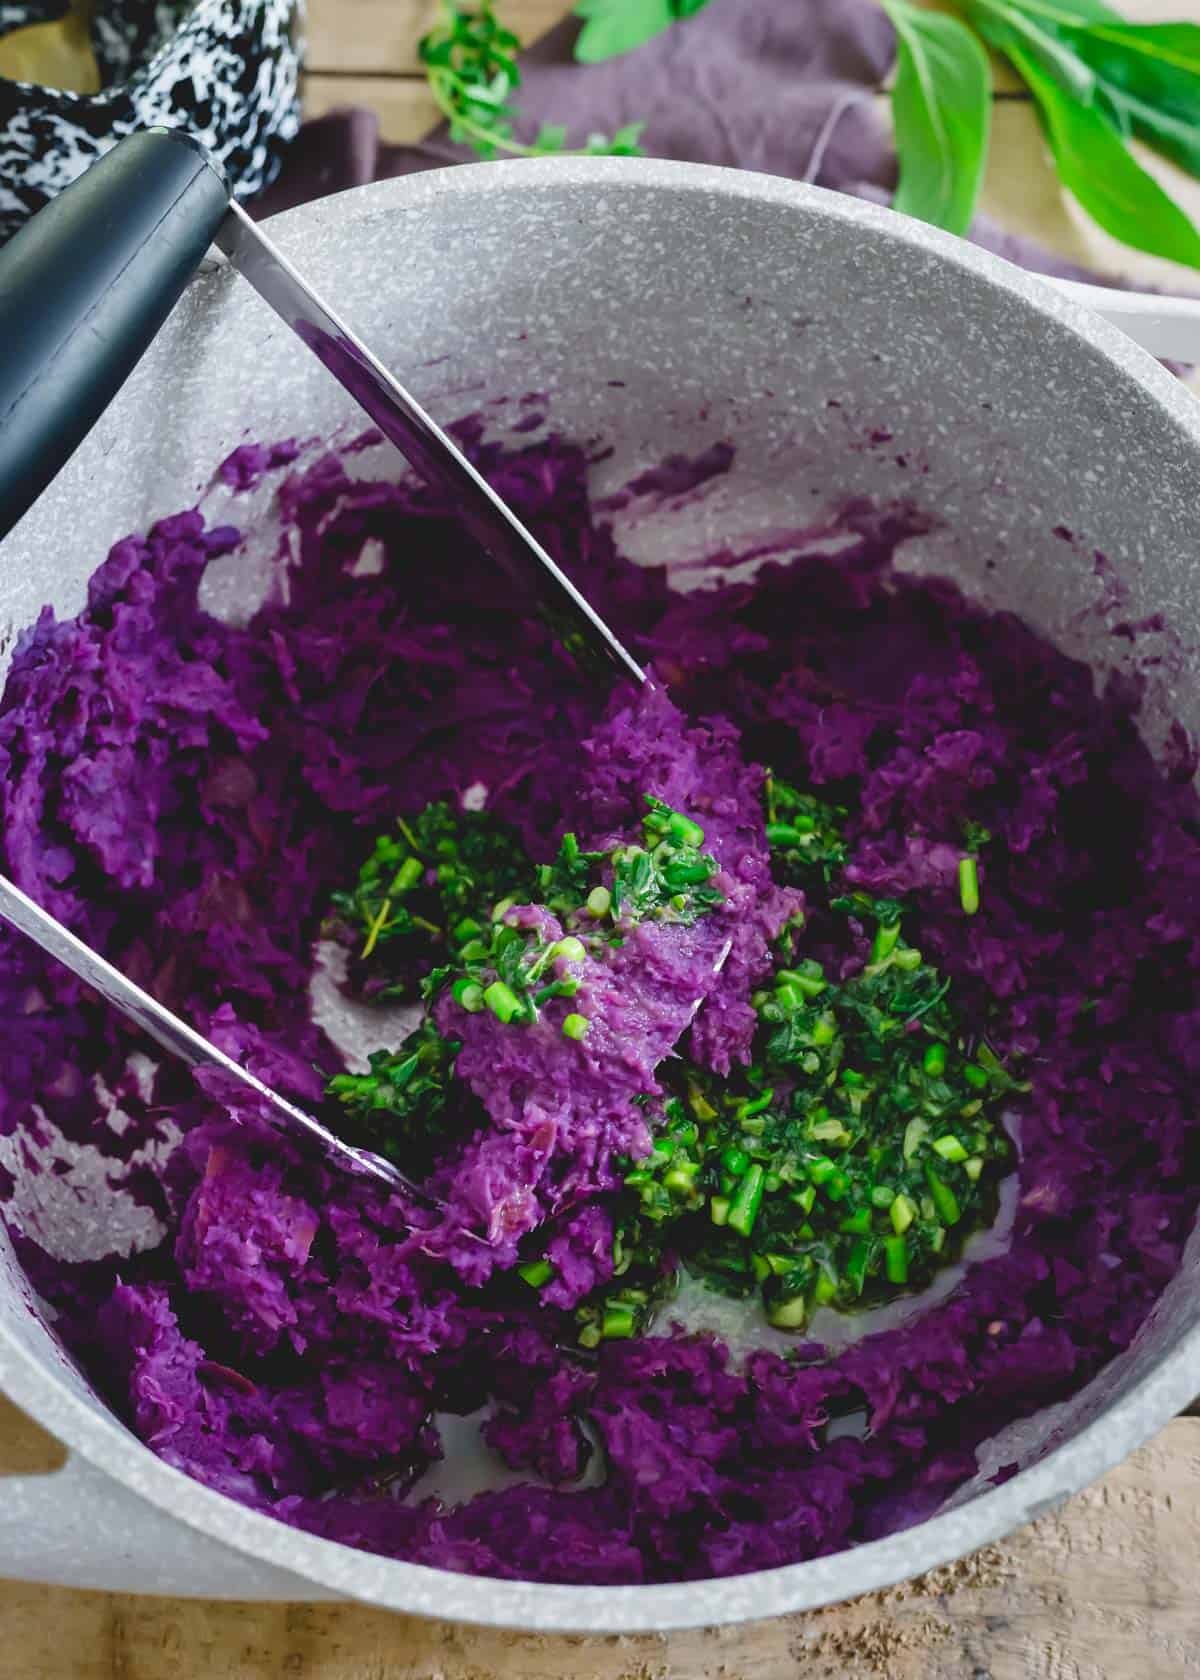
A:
(76, 1527)
(84, 287)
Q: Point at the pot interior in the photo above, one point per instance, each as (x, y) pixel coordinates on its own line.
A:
(840, 352)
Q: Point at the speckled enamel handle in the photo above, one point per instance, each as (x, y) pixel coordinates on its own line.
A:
(84, 287)
(77, 1527)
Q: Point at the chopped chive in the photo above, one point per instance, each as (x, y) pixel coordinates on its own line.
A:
(968, 885)
(407, 876)
(576, 1026)
(468, 994)
(735, 1160)
(536, 1273)
(934, 1061)
(574, 950)
(718, 1210)
(915, 1134)
(884, 943)
(973, 1167)
(744, 1208)
(950, 1148)
(376, 928)
(903, 1211)
(599, 901)
(944, 1199)
(825, 1289)
(788, 1315)
(859, 1221)
(975, 1075)
(857, 1264)
(895, 1259)
(882, 1196)
(618, 1323)
(503, 1002)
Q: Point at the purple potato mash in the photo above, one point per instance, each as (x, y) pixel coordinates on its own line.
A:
(186, 795)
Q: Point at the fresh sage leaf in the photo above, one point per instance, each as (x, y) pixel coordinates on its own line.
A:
(1005, 26)
(1096, 166)
(1147, 76)
(614, 27)
(941, 107)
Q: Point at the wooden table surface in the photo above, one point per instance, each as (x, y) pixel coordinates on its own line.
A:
(1105, 1589)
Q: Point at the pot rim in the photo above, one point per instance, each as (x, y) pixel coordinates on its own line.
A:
(483, 1600)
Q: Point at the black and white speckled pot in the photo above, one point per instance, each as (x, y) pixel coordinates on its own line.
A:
(227, 70)
(659, 306)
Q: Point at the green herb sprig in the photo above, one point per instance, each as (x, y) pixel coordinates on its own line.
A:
(1098, 82)
(470, 61)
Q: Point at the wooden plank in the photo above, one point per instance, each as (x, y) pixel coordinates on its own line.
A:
(404, 106)
(1103, 1590)
(379, 37)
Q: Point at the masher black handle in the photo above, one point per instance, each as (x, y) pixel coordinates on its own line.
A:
(84, 287)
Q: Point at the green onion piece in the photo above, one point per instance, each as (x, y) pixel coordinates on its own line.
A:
(618, 1322)
(684, 831)
(573, 949)
(407, 876)
(502, 1001)
(718, 1210)
(825, 1289)
(903, 1211)
(857, 1263)
(734, 1160)
(761, 1267)
(501, 909)
(744, 1208)
(858, 1221)
(467, 929)
(975, 1076)
(895, 1259)
(536, 1273)
(885, 941)
(882, 1196)
(944, 1199)
(473, 951)
(782, 834)
(575, 1026)
(973, 1167)
(682, 1176)
(788, 1315)
(934, 1061)
(908, 959)
(468, 994)
(950, 1148)
(968, 885)
(915, 1134)
(806, 1198)
(599, 901)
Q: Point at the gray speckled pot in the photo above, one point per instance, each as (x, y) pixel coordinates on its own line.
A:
(847, 351)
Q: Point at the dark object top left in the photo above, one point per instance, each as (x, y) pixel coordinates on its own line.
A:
(225, 70)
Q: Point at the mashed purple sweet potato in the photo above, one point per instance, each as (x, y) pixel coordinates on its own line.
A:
(185, 793)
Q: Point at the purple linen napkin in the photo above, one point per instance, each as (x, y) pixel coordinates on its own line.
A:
(786, 86)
